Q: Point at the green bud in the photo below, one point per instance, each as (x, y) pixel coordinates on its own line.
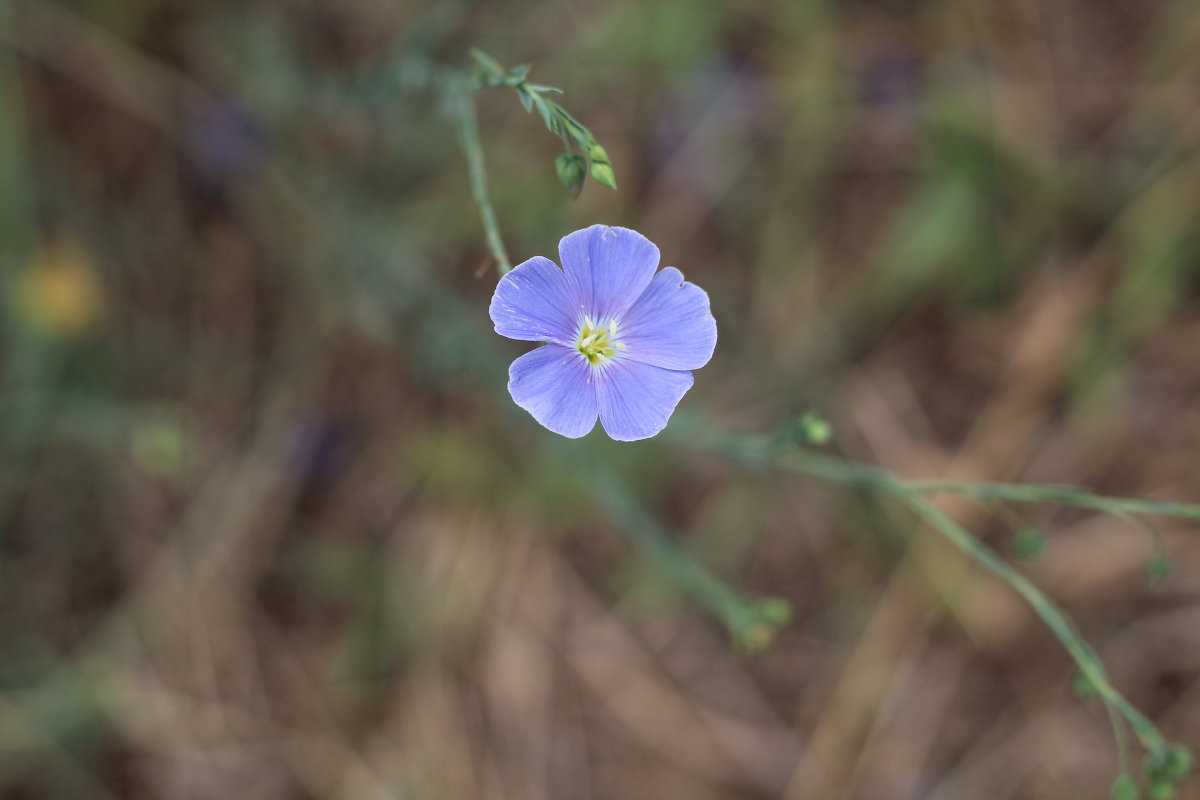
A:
(1028, 543)
(814, 429)
(1125, 788)
(776, 610)
(603, 174)
(1178, 763)
(572, 171)
(1161, 791)
(602, 171)
(1158, 568)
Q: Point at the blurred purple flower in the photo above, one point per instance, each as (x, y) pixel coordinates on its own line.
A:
(320, 451)
(892, 80)
(620, 338)
(224, 140)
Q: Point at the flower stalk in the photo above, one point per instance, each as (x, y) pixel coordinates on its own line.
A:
(760, 452)
(571, 167)
(468, 138)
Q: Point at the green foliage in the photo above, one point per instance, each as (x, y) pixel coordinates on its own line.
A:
(460, 89)
(556, 118)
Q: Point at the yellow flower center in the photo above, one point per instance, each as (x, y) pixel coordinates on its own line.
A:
(598, 342)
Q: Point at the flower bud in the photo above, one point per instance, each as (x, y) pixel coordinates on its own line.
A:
(572, 171)
(1158, 568)
(1028, 543)
(814, 429)
(1178, 762)
(1162, 791)
(1124, 788)
(602, 171)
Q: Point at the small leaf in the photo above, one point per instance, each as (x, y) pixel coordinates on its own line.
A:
(526, 98)
(537, 87)
(572, 172)
(487, 62)
(517, 74)
(543, 107)
(582, 136)
(1084, 686)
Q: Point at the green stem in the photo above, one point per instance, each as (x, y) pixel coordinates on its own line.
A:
(763, 452)
(1114, 719)
(748, 621)
(1160, 546)
(468, 137)
(1085, 658)
(1065, 495)
(758, 450)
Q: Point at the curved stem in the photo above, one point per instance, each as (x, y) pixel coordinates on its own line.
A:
(762, 452)
(1085, 657)
(468, 137)
(1066, 495)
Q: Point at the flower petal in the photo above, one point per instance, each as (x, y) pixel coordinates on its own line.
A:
(608, 267)
(558, 387)
(670, 325)
(636, 400)
(535, 303)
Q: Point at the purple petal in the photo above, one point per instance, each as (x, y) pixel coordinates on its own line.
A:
(535, 303)
(636, 400)
(670, 325)
(608, 267)
(558, 387)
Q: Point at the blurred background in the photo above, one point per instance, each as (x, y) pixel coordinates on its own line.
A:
(271, 527)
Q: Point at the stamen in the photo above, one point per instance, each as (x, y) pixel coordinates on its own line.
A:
(598, 343)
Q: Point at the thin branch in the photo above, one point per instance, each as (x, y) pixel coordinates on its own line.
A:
(758, 451)
(468, 137)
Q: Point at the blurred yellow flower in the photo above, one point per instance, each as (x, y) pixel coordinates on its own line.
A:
(59, 294)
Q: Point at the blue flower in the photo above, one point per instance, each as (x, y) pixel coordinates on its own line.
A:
(620, 339)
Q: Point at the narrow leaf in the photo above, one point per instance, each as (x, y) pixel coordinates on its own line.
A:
(487, 62)
(517, 74)
(526, 97)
